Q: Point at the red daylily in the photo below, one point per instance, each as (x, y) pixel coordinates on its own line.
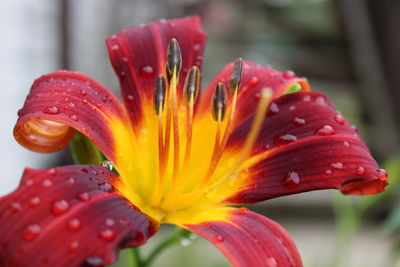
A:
(179, 160)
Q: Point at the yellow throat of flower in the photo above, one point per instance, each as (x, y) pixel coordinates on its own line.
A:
(177, 166)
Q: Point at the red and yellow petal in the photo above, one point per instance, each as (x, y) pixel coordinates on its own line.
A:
(304, 145)
(63, 100)
(68, 216)
(249, 239)
(138, 56)
(254, 78)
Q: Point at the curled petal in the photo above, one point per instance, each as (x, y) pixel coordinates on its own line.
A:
(68, 216)
(61, 101)
(138, 56)
(249, 239)
(304, 145)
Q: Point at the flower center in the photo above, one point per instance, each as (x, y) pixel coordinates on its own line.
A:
(195, 169)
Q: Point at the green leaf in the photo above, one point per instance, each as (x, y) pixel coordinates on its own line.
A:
(84, 151)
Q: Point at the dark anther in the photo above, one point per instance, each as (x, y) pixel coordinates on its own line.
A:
(159, 94)
(192, 84)
(219, 102)
(174, 58)
(234, 81)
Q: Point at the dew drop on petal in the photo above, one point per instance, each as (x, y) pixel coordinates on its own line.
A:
(59, 207)
(326, 130)
(71, 180)
(217, 239)
(85, 101)
(51, 110)
(337, 165)
(15, 206)
(109, 222)
(47, 183)
(339, 119)
(74, 225)
(147, 72)
(307, 98)
(52, 171)
(106, 187)
(320, 101)
(31, 232)
(85, 170)
(382, 174)
(273, 109)
(74, 245)
(346, 144)
(107, 234)
(73, 117)
(285, 139)
(328, 172)
(253, 82)
(84, 196)
(107, 164)
(94, 262)
(83, 92)
(271, 262)
(34, 201)
(291, 180)
(360, 171)
(130, 98)
(71, 105)
(288, 74)
(299, 122)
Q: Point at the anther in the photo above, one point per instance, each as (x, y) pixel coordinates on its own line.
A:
(174, 59)
(234, 81)
(159, 94)
(219, 102)
(192, 85)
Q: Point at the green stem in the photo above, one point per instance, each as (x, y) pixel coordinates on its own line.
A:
(135, 258)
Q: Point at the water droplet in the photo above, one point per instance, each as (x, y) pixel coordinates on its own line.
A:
(94, 262)
(59, 207)
(360, 171)
(47, 183)
(242, 210)
(84, 196)
(74, 245)
(337, 165)
(271, 262)
(104, 98)
(71, 180)
(107, 164)
(106, 187)
(288, 74)
(257, 96)
(382, 174)
(291, 108)
(34, 201)
(285, 139)
(51, 110)
(273, 109)
(83, 92)
(218, 239)
(73, 117)
(253, 81)
(115, 47)
(130, 98)
(29, 182)
(125, 59)
(85, 170)
(291, 180)
(328, 171)
(31, 232)
(185, 242)
(354, 128)
(109, 222)
(299, 122)
(320, 101)
(66, 99)
(107, 234)
(326, 130)
(147, 72)
(74, 225)
(339, 119)
(85, 101)
(123, 221)
(346, 144)
(15, 206)
(307, 98)
(196, 47)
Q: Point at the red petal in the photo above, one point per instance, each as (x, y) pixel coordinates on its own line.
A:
(249, 239)
(254, 78)
(66, 216)
(74, 100)
(305, 146)
(138, 56)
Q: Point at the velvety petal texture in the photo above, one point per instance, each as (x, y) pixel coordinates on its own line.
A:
(249, 239)
(305, 144)
(68, 216)
(138, 56)
(64, 99)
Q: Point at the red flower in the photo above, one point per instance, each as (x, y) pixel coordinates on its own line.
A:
(179, 160)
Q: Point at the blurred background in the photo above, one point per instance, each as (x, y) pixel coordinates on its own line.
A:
(348, 49)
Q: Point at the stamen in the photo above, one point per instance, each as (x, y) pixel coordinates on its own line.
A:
(234, 84)
(218, 112)
(190, 93)
(174, 59)
(255, 129)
